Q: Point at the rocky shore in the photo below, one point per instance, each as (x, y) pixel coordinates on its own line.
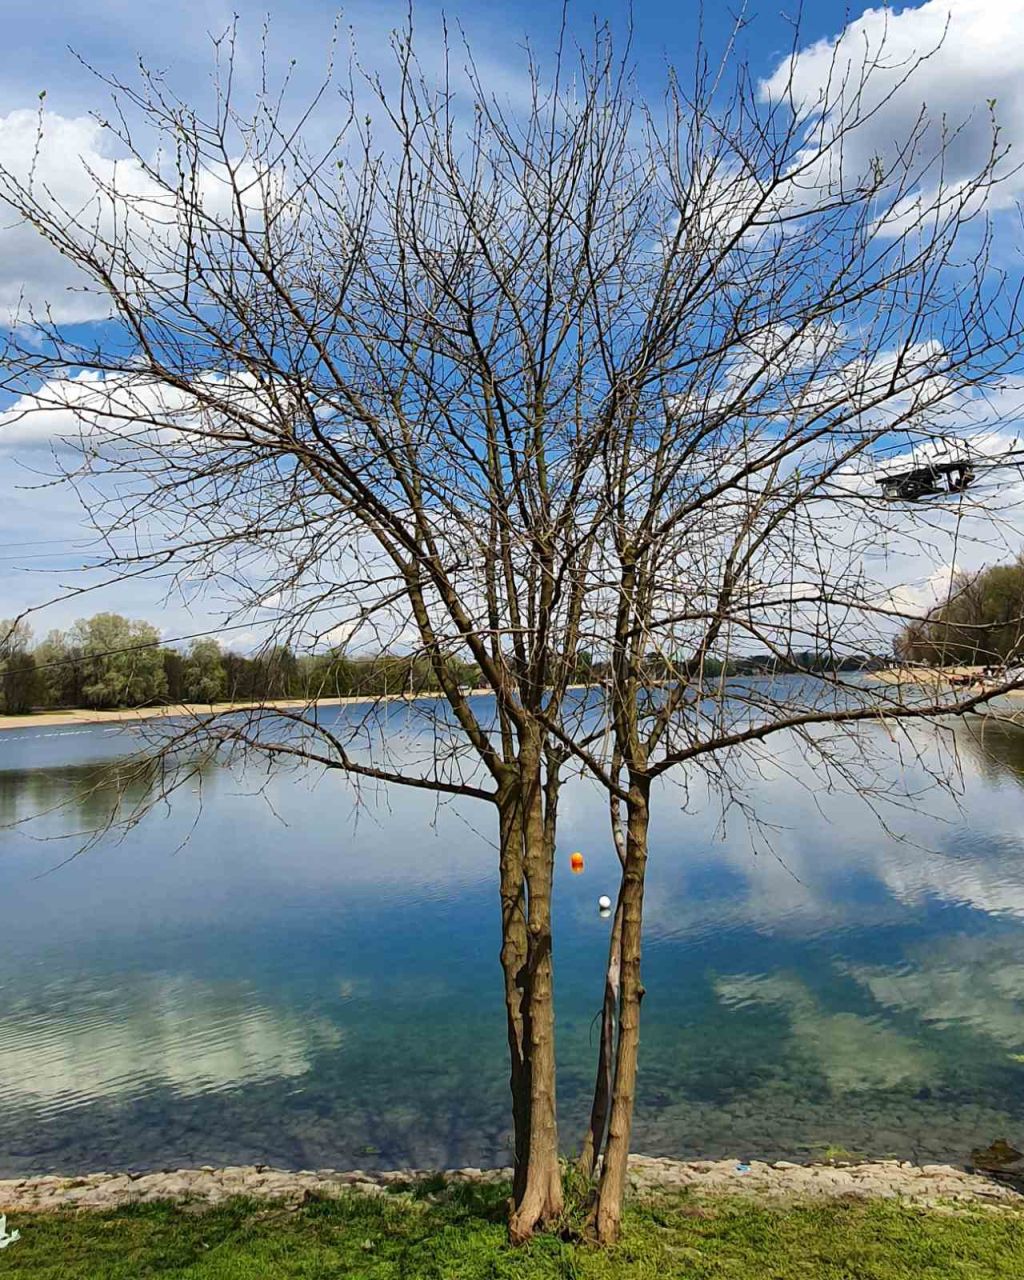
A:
(927, 1185)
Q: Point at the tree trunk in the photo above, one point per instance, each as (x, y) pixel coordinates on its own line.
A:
(608, 1208)
(606, 1054)
(513, 963)
(541, 1199)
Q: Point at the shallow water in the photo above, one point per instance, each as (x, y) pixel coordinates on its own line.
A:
(297, 978)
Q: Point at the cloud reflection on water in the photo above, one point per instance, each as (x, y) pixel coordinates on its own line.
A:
(89, 1040)
(845, 980)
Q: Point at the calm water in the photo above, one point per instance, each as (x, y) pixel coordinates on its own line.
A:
(311, 983)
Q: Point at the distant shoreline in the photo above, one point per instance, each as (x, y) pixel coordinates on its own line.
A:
(923, 675)
(82, 716)
(941, 676)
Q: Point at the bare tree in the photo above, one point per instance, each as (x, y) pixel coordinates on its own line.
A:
(517, 382)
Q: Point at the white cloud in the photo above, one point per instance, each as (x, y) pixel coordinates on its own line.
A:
(970, 54)
(65, 157)
(67, 411)
(85, 181)
(59, 412)
(72, 158)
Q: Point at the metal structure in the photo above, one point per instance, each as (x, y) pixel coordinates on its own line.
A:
(930, 480)
(936, 478)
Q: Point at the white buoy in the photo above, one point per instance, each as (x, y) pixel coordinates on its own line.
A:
(604, 902)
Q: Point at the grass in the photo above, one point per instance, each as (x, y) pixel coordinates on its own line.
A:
(458, 1233)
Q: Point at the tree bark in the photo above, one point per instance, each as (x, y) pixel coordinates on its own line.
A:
(541, 1199)
(513, 963)
(594, 1138)
(607, 1215)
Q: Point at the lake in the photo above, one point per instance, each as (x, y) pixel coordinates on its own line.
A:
(291, 974)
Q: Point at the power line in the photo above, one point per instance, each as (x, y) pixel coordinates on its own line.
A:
(52, 555)
(39, 542)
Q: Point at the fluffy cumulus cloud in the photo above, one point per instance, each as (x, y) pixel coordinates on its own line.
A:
(949, 61)
(108, 200)
(73, 160)
(68, 159)
(64, 414)
(65, 410)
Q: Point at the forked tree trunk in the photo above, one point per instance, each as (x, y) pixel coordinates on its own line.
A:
(607, 1215)
(541, 1199)
(594, 1138)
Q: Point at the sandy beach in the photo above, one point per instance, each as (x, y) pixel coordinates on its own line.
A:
(65, 719)
(924, 675)
(941, 678)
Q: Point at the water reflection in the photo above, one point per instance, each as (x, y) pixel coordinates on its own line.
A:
(309, 976)
(96, 794)
(974, 984)
(996, 748)
(80, 1041)
(852, 1051)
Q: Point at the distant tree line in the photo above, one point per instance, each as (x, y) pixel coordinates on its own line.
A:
(981, 622)
(111, 662)
(767, 664)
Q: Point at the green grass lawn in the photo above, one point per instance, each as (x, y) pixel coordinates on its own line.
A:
(459, 1233)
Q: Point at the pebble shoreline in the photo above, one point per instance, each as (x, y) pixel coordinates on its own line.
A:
(927, 1186)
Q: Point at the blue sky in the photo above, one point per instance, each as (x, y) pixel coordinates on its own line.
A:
(175, 35)
(981, 58)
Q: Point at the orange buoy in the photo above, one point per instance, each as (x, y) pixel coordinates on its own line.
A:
(576, 863)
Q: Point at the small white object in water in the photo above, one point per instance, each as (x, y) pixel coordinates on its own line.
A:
(604, 903)
(6, 1239)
